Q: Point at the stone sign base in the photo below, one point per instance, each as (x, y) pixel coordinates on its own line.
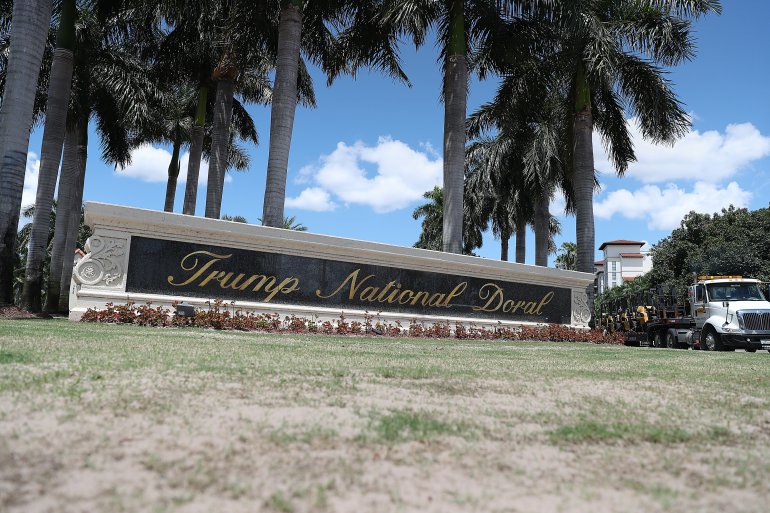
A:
(149, 256)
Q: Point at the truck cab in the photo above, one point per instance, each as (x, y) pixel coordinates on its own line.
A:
(730, 312)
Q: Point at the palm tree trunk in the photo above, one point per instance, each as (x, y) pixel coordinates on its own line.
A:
(73, 221)
(50, 155)
(584, 174)
(521, 242)
(220, 142)
(196, 149)
(455, 104)
(66, 198)
(173, 175)
(282, 111)
(504, 240)
(542, 229)
(31, 19)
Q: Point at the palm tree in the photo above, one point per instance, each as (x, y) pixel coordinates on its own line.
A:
(227, 49)
(433, 224)
(235, 219)
(283, 108)
(608, 59)
(225, 75)
(567, 256)
(290, 223)
(53, 139)
(301, 26)
(518, 168)
(72, 174)
(463, 26)
(507, 196)
(111, 86)
(31, 19)
(493, 192)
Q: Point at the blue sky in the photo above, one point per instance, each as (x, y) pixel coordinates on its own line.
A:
(361, 160)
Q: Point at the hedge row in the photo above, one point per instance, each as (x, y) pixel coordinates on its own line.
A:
(219, 316)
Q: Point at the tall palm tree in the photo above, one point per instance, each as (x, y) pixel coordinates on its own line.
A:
(302, 26)
(225, 75)
(112, 87)
(432, 213)
(72, 216)
(31, 20)
(462, 26)
(494, 191)
(50, 155)
(72, 173)
(609, 58)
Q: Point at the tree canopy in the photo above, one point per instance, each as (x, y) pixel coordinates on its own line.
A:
(733, 242)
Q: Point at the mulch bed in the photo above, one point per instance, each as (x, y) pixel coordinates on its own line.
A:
(14, 312)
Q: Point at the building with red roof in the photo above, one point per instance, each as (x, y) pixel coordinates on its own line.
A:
(623, 261)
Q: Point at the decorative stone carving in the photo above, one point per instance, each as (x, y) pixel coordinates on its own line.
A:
(104, 265)
(581, 312)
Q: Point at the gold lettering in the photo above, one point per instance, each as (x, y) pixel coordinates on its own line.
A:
(368, 293)
(458, 290)
(490, 292)
(192, 263)
(291, 288)
(403, 295)
(262, 279)
(546, 299)
(436, 299)
(267, 281)
(530, 308)
(385, 290)
(282, 287)
(392, 296)
(519, 304)
(233, 284)
(354, 285)
(215, 275)
(425, 295)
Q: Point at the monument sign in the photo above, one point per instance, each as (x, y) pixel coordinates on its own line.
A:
(143, 255)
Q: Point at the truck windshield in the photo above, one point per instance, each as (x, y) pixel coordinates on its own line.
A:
(734, 292)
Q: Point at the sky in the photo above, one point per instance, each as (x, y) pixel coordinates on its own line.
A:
(362, 159)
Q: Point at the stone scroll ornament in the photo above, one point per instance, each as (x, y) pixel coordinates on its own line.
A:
(581, 313)
(104, 265)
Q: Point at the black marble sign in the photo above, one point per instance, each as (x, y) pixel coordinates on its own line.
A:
(197, 270)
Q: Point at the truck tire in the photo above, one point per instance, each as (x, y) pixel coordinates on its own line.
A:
(710, 340)
(671, 340)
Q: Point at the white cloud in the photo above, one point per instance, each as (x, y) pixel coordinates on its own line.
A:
(150, 164)
(400, 175)
(664, 208)
(558, 204)
(313, 198)
(710, 156)
(31, 175)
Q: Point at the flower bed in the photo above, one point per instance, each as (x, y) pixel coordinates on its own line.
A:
(224, 316)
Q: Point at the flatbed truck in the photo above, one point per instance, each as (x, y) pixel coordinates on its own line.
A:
(718, 313)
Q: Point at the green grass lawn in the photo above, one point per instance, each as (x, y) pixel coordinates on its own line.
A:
(122, 418)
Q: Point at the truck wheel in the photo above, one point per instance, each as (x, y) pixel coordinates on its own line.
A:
(657, 339)
(710, 340)
(671, 341)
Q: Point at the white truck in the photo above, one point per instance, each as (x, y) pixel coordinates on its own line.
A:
(728, 312)
(720, 313)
